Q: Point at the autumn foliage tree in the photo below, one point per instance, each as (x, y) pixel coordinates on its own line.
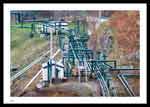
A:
(126, 26)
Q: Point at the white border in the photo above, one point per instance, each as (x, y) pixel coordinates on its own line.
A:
(143, 66)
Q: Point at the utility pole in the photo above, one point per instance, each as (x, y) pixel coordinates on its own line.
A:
(51, 47)
(79, 79)
(85, 65)
(51, 52)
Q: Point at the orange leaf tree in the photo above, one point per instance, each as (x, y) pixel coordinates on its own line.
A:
(126, 26)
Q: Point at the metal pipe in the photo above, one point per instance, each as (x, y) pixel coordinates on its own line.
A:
(103, 82)
(126, 85)
(116, 69)
(29, 83)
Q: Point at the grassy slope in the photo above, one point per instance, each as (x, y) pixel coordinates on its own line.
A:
(23, 48)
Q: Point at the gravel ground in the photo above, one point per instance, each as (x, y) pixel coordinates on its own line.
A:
(135, 85)
(70, 88)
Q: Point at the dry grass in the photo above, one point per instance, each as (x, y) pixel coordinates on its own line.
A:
(24, 49)
(18, 85)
